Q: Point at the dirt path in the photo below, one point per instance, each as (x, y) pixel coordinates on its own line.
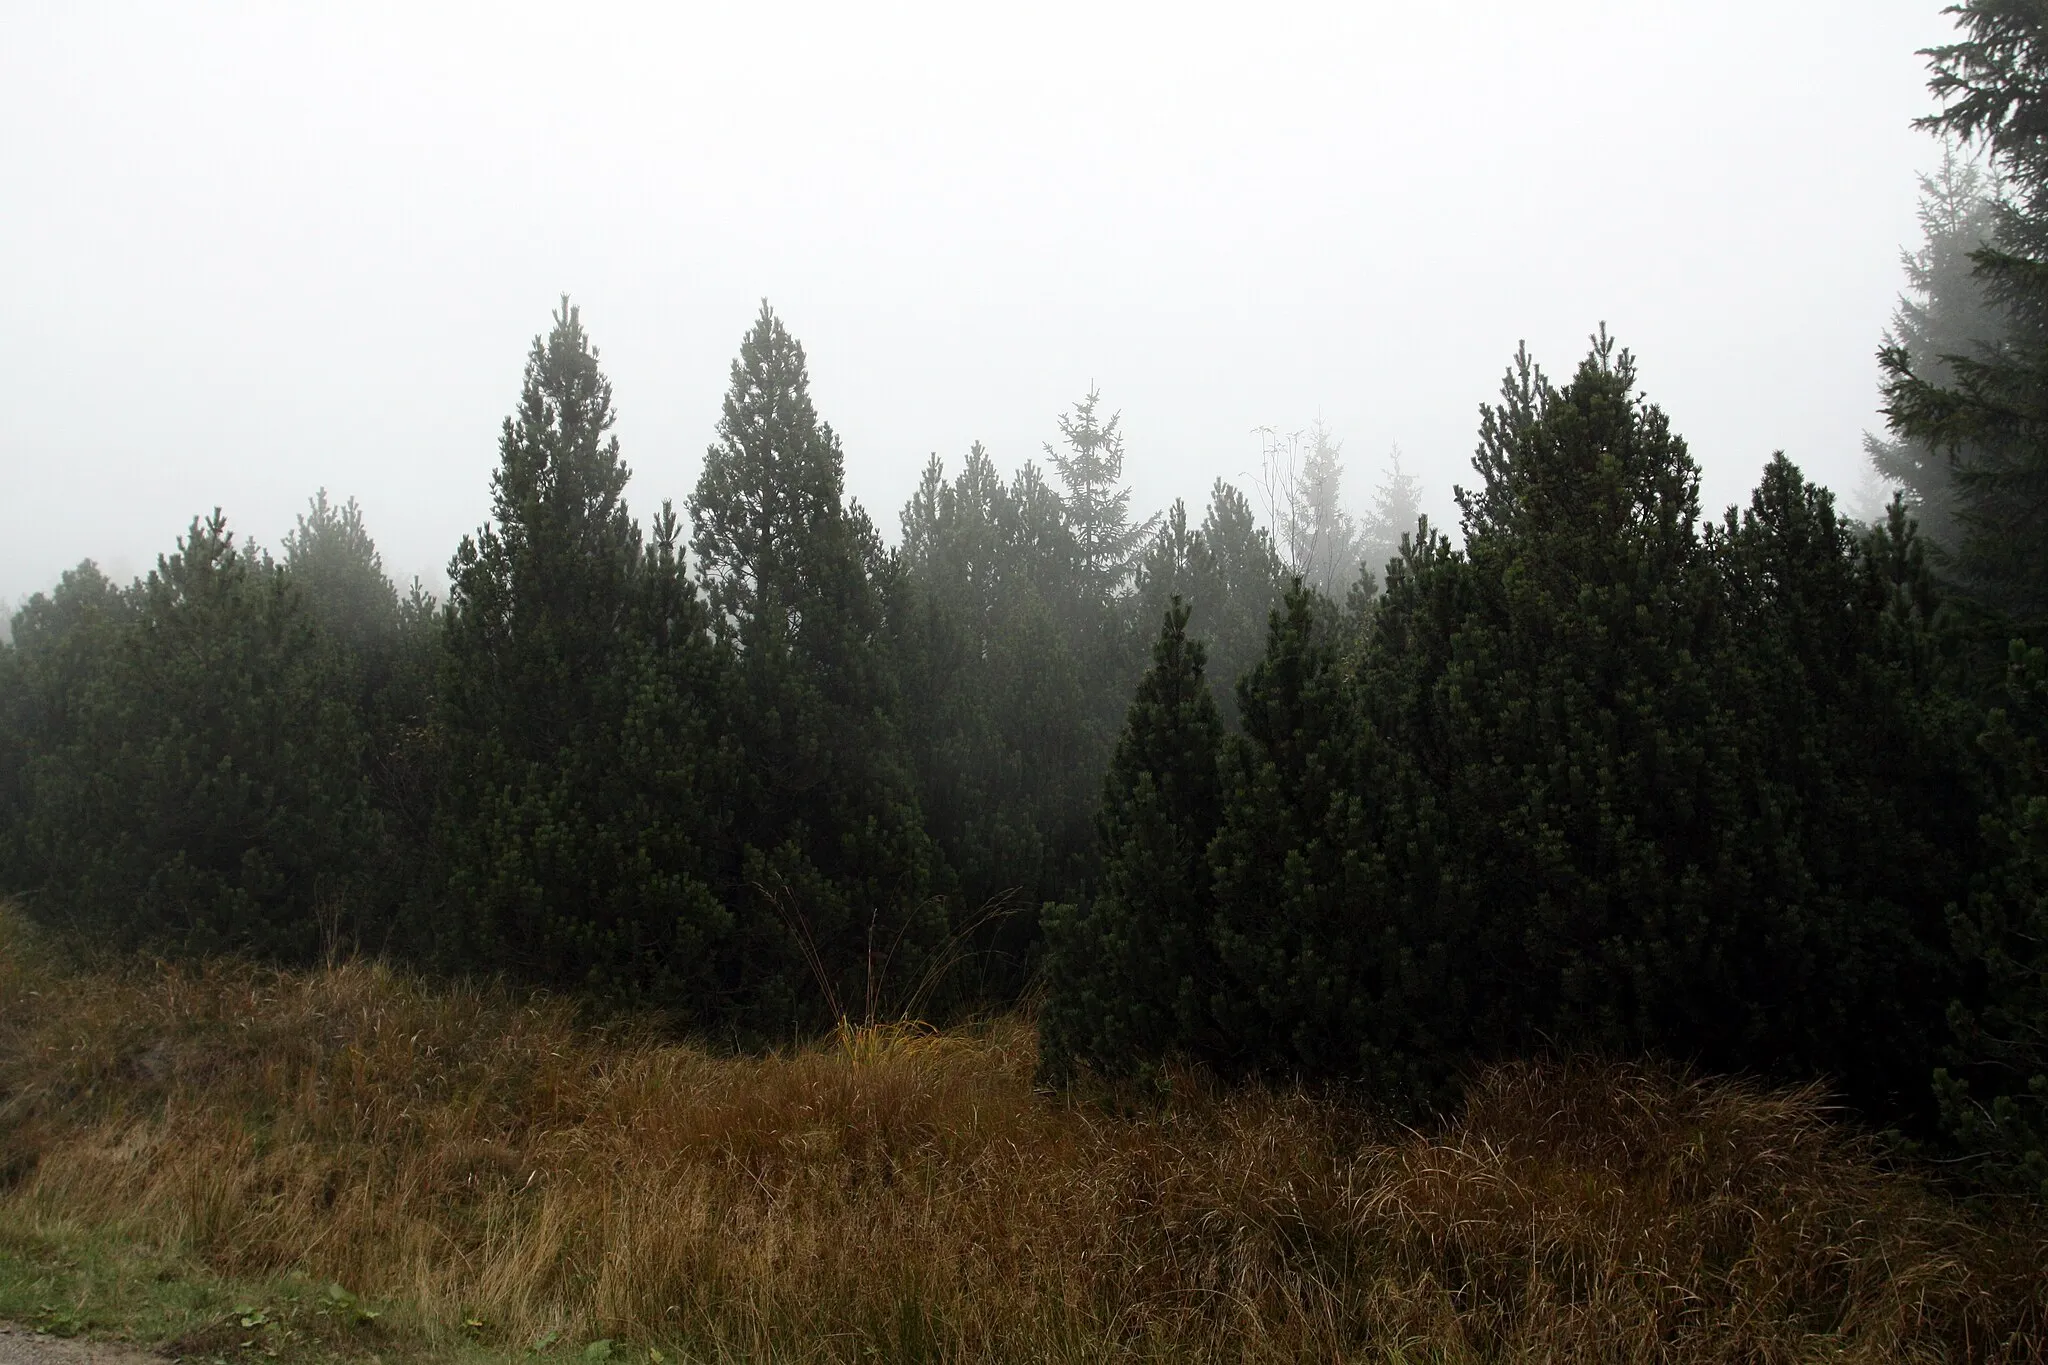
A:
(21, 1346)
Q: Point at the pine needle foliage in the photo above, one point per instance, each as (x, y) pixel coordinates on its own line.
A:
(190, 772)
(1606, 778)
(840, 889)
(1986, 407)
(1134, 972)
(582, 818)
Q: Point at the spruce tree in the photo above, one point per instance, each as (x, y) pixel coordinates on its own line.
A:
(1396, 507)
(1944, 312)
(1133, 974)
(1331, 547)
(1988, 413)
(1090, 464)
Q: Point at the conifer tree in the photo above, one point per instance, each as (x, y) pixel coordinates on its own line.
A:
(334, 562)
(993, 709)
(1396, 507)
(1989, 412)
(1240, 582)
(583, 807)
(840, 877)
(1295, 877)
(1597, 780)
(1229, 573)
(14, 714)
(1328, 549)
(1134, 972)
(1994, 1090)
(1864, 786)
(386, 656)
(1098, 506)
(193, 777)
(1944, 312)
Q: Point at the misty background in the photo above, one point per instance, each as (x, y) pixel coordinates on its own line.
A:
(256, 250)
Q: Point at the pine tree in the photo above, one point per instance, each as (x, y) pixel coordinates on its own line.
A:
(334, 562)
(1133, 974)
(60, 658)
(1994, 1091)
(1231, 577)
(1598, 780)
(840, 877)
(1240, 582)
(193, 779)
(1859, 753)
(579, 709)
(386, 655)
(993, 710)
(1296, 881)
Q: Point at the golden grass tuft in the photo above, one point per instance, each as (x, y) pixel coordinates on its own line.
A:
(906, 1195)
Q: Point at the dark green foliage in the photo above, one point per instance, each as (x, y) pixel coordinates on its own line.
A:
(61, 644)
(1863, 758)
(1133, 973)
(1583, 787)
(191, 776)
(1230, 574)
(1001, 727)
(1944, 312)
(337, 569)
(839, 883)
(582, 811)
(386, 653)
(1296, 874)
(1681, 784)
(1995, 1100)
(1018, 640)
(1986, 407)
(1602, 780)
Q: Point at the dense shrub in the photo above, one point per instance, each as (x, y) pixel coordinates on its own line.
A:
(190, 772)
(1605, 778)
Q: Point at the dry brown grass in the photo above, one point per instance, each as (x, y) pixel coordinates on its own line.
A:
(904, 1195)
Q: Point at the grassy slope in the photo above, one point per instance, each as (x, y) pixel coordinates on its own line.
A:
(178, 1145)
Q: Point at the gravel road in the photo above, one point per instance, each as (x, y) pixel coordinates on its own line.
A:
(21, 1346)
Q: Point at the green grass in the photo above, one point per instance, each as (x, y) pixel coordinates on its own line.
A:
(70, 1280)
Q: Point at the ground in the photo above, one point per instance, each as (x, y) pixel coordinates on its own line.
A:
(25, 1346)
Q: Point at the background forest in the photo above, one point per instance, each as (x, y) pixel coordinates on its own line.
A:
(1247, 783)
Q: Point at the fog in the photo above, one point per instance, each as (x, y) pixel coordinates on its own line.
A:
(252, 251)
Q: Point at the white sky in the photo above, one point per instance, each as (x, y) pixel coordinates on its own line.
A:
(246, 251)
